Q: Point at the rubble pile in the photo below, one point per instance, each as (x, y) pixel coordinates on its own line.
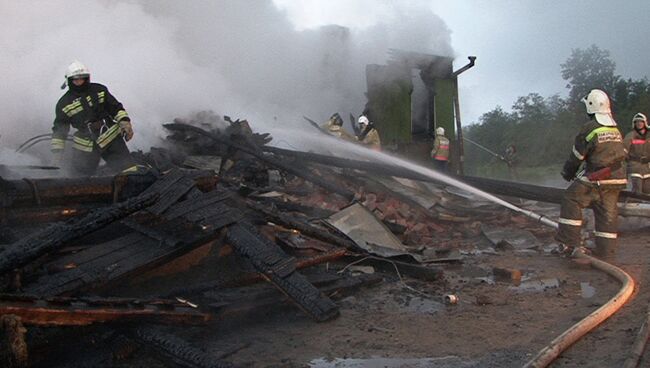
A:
(189, 242)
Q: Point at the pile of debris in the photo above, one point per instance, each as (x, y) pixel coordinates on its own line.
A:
(220, 202)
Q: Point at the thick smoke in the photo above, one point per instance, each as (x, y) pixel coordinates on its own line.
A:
(167, 58)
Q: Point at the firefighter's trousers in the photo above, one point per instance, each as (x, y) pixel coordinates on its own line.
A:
(116, 155)
(440, 165)
(603, 201)
(640, 185)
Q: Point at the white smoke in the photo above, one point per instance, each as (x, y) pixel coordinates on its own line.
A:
(167, 58)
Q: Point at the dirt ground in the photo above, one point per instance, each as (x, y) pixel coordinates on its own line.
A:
(495, 324)
(406, 323)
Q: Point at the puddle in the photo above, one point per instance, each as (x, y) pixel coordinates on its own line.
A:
(421, 305)
(587, 290)
(535, 286)
(377, 362)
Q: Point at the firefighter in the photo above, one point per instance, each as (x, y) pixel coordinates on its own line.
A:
(510, 157)
(638, 156)
(599, 145)
(440, 151)
(368, 136)
(334, 126)
(102, 125)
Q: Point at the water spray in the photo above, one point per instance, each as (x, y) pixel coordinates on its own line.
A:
(550, 352)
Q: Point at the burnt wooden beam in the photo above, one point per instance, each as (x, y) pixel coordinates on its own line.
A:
(253, 277)
(280, 270)
(156, 239)
(175, 349)
(61, 311)
(35, 215)
(256, 152)
(302, 226)
(233, 302)
(13, 347)
(24, 251)
(501, 187)
(71, 191)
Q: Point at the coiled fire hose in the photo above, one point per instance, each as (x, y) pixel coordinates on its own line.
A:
(549, 353)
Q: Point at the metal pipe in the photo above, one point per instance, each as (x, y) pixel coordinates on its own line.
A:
(472, 61)
(459, 126)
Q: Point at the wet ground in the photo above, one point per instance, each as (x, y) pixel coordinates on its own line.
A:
(498, 321)
(494, 324)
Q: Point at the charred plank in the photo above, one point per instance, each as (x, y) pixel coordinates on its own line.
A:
(71, 191)
(256, 152)
(521, 190)
(156, 240)
(20, 253)
(60, 311)
(175, 349)
(302, 226)
(277, 268)
(231, 302)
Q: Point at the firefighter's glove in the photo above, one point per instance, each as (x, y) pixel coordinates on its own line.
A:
(570, 169)
(567, 175)
(126, 129)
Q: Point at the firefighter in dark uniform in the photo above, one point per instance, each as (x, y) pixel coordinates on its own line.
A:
(102, 125)
(599, 145)
(637, 144)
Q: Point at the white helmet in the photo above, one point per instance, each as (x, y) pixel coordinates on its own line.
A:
(440, 131)
(363, 120)
(77, 69)
(639, 117)
(597, 103)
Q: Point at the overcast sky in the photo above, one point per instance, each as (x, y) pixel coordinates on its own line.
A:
(520, 44)
(269, 60)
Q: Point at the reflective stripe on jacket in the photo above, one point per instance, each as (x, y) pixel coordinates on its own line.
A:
(440, 149)
(599, 147)
(78, 109)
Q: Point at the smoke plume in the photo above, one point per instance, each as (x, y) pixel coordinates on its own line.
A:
(164, 59)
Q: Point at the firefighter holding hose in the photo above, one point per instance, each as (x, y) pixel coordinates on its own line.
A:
(599, 149)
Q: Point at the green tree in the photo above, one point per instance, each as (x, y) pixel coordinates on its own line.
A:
(587, 69)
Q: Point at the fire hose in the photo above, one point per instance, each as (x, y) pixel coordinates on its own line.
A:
(549, 353)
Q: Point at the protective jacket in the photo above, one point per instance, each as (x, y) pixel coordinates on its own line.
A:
(440, 149)
(337, 131)
(372, 140)
(638, 154)
(602, 150)
(94, 112)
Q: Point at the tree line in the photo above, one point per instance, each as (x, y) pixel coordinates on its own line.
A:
(543, 128)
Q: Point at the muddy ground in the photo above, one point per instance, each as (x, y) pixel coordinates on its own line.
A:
(493, 325)
(404, 322)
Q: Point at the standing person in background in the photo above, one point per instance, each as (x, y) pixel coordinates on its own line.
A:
(440, 151)
(599, 145)
(638, 154)
(368, 136)
(510, 157)
(101, 122)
